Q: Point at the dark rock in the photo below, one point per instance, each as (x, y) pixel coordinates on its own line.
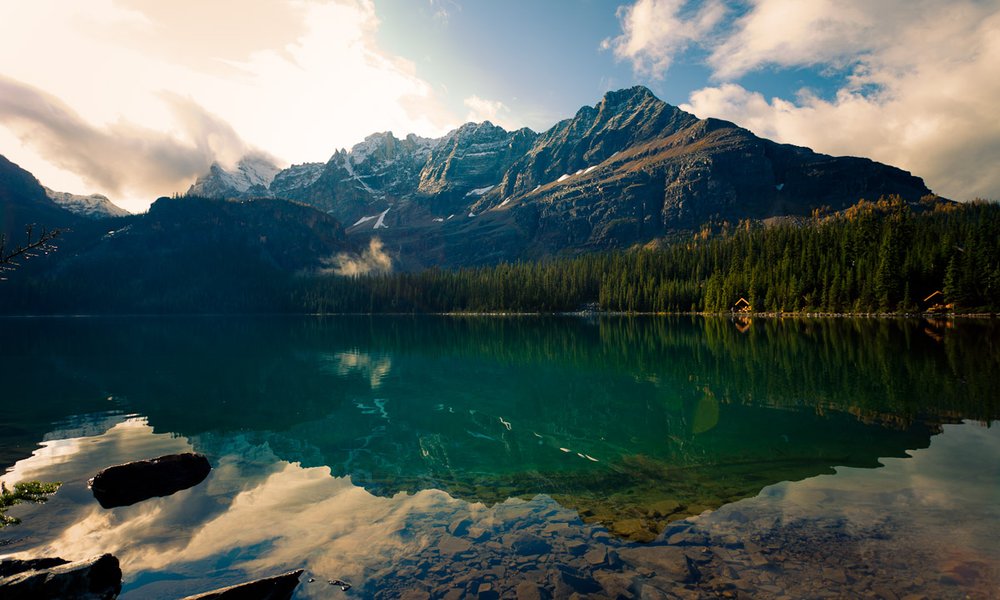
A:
(527, 590)
(453, 545)
(279, 587)
(123, 485)
(96, 578)
(576, 547)
(578, 581)
(13, 566)
(529, 545)
(688, 538)
(459, 527)
(597, 556)
(670, 562)
(693, 572)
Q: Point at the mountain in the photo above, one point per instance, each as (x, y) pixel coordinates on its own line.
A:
(628, 170)
(633, 168)
(94, 206)
(468, 162)
(185, 254)
(372, 176)
(23, 202)
(251, 176)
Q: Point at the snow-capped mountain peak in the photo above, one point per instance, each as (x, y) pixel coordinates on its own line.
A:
(94, 206)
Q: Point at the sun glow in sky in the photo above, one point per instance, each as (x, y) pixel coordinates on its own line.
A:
(136, 98)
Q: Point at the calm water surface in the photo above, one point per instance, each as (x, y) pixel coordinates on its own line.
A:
(518, 457)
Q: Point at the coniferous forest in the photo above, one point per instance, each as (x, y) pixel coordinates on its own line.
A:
(886, 256)
(875, 257)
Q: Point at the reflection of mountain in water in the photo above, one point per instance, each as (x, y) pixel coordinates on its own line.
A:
(633, 422)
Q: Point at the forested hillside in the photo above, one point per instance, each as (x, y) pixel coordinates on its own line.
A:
(886, 256)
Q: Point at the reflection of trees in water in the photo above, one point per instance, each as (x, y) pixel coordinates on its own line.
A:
(688, 411)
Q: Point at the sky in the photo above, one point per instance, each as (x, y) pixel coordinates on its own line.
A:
(135, 99)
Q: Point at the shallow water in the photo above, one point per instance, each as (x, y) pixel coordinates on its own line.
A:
(510, 457)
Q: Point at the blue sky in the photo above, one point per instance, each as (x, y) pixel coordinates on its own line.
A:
(136, 98)
(543, 60)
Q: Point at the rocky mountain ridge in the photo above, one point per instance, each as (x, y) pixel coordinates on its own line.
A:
(625, 171)
(23, 203)
(94, 206)
(251, 176)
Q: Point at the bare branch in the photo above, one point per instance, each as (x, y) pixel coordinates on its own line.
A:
(32, 247)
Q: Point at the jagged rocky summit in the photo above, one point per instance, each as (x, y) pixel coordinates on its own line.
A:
(625, 171)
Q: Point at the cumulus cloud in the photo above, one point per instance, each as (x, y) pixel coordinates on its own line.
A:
(919, 79)
(914, 98)
(800, 32)
(121, 157)
(655, 31)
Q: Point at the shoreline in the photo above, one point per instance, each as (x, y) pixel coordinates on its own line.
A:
(579, 313)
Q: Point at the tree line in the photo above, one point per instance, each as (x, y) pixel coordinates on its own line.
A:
(885, 256)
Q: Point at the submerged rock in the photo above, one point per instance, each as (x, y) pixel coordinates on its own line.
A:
(279, 587)
(96, 578)
(123, 485)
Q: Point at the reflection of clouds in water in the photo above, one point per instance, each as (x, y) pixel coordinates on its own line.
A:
(307, 516)
(72, 516)
(66, 458)
(269, 514)
(937, 498)
(354, 361)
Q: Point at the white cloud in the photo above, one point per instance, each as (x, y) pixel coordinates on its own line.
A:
(922, 95)
(921, 91)
(495, 111)
(797, 32)
(299, 79)
(655, 31)
(120, 158)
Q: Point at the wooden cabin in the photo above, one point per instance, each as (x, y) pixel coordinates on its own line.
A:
(935, 304)
(742, 306)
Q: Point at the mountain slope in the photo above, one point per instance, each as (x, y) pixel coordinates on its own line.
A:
(94, 206)
(251, 176)
(625, 171)
(23, 202)
(188, 255)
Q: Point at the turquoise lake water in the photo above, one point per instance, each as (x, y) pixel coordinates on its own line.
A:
(518, 456)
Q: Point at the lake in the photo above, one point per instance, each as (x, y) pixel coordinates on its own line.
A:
(527, 457)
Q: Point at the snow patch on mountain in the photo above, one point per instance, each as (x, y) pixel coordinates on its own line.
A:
(480, 191)
(380, 224)
(94, 206)
(252, 171)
